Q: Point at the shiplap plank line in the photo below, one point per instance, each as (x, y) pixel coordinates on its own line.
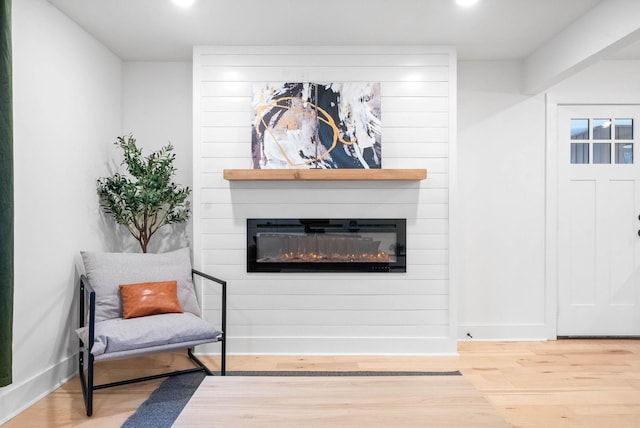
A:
(314, 60)
(375, 285)
(408, 89)
(331, 196)
(233, 228)
(238, 271)
(235, 225)
(242, 103)
(327, 73)
(350, 330)
(359, 210)
(391, 119)
(343, 303)
(315, 210)
(222, 133)
(389, 150)
(433, 165)
(337, 317)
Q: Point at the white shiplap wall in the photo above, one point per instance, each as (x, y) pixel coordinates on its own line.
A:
(329, 313)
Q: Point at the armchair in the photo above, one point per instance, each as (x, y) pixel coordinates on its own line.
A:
(134, 304)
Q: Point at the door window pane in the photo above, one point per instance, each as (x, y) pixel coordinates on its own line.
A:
(624, 129)
(579, 129)
(580, 152)
(601, 129)
(601, 152)
(624, 152)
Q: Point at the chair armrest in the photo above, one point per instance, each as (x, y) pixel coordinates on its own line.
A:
(223, 283)
(85, 286)
(224, 303)
(210, 277)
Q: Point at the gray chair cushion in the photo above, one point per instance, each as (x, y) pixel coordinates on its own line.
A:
(116, 338)
(106, 271)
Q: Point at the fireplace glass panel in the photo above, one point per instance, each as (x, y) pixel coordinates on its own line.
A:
(311, 245)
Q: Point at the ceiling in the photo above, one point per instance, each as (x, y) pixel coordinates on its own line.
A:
(492, 30)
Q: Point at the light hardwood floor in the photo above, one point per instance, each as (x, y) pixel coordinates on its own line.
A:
(338, 402)
(565, 383)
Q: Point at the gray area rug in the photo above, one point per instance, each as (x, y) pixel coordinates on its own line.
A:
(164, 405)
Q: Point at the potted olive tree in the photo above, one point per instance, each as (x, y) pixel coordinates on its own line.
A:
(146, 198)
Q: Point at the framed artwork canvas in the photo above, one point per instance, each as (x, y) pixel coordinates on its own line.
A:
(316, 125)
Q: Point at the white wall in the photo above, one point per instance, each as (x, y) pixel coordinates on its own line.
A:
(501, 173)
(67, 109)
(504, 290)
(157, 109)
(329, 313)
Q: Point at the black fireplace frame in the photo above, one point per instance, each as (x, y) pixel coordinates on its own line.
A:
(327, 225)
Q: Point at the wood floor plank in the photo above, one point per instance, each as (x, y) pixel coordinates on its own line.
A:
(333, 402)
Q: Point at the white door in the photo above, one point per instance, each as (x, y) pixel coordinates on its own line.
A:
(598, 221)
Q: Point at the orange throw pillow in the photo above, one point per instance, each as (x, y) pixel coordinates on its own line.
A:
(149, 298)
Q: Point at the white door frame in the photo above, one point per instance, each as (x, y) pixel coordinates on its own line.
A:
(551, 191)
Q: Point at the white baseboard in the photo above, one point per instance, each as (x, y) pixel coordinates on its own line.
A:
(335, 346)
(506, 332)
(17, 397)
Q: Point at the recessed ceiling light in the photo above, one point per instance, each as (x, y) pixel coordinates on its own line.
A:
(184, 3)
(466, 3)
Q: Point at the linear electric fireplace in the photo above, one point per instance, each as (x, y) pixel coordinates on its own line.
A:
(326, 245)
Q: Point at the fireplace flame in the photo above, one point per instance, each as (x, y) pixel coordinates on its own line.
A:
(320, 248)
(294, 257)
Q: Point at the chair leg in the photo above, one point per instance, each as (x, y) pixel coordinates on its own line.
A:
(223, 358)
(199, 363)
(90, 386)
(223, 361)
(86, 381)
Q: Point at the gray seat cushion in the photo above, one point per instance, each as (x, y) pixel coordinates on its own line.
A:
(117, 338)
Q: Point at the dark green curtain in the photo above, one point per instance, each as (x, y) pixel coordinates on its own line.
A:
(6, 196)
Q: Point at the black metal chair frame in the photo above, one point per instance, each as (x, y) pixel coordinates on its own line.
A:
(87, 381)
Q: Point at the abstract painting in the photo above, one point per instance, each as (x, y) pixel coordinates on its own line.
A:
(316, 125)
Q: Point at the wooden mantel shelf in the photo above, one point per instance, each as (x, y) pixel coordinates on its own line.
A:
(324, 174)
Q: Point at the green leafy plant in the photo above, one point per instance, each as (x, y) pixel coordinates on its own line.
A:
(147, 199)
